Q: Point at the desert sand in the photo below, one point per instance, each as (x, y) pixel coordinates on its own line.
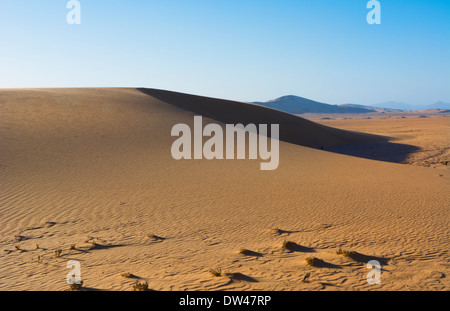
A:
(89, 172)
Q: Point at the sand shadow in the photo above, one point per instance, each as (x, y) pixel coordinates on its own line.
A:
(380, 151)
(100, 246)
(247, 252)
(328, 265)
(362, 258)
(294, 247)
(88, 289)
(157, 238)
(133, 276)
(319, 263)
(96, 246)
(241, 277)
(292, 128)
(280, 231)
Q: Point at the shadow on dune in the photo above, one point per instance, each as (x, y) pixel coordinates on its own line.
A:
(281, 232)
(252, 253)
(294, 247)
(241, 277)
(381, 151)
(293, 129)
(328, 265)
(362, 258)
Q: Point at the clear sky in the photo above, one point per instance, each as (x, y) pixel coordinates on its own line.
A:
(247, 50)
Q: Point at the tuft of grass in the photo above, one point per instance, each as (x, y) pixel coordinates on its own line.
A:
(276, 230)
(39, 258)
(89, 239)
(58, 253)
(244, 251)
(37, 246)
(126, 275)
(140, 287)
(289, 245)
(17, 247)
(314, 262)
(73, 246)
(345, 253)
(75, 286)
(445, 163)
(306, 277)
(155, 237)
(216, 272)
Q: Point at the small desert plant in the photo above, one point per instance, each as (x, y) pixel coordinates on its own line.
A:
(314, 262)
(37, 246)
(89, 239)
(155, 237)
(306, 277)
(345, 252)
(216, 272)
(126, 275)
(39, 258)
(140, 287)
(276, 230)
(289, 245)
(73, 246)
(20, 238)
(17, 247)
(445, 163)
(58, 253)
(75, 286)
(244, 251)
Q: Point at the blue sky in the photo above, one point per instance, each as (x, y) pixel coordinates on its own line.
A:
(247, 50)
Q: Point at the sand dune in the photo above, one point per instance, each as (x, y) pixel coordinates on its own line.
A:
(92, 168)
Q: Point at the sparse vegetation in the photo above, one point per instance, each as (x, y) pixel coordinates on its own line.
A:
(216, 272)
(90, 239)
(75, 286)
(19, 238)
(289, 245)
(17, 247)
(314, 262)
(37, 246)
(306, 277)
(345, 252)
(73, 246)
(58, 253)
(140, 287)
(155, 237)
(276, 230)
(39, 258)
(244, 251)
(126, 275)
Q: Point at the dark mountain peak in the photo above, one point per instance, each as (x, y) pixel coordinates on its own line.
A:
(299, 105)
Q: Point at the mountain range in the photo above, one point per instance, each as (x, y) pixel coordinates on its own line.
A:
(300, 105)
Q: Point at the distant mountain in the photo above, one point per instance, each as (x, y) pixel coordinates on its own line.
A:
(404, 106)
(396, 105)
(299, 105)
(438, 105)
(378, 109)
